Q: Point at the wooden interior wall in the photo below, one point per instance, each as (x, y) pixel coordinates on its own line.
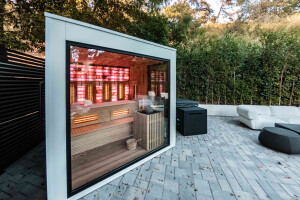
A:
(138, 75)
(22, 104)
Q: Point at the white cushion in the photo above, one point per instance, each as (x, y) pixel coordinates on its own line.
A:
(253, 111)
(291, 119)
(258, 117)
(284, 111)
(262, 121)
(268, 121)
(249, 122)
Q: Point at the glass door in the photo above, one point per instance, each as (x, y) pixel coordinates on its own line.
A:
(118, 112)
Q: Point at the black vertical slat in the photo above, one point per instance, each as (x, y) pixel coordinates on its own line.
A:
(3, 54)
(22, 95)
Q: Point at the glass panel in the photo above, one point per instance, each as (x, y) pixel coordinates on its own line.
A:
(119, 111)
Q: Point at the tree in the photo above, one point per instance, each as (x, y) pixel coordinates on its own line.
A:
(8, 37)
(270, 8)
(229, 9)
(185, 18)
(24, 26)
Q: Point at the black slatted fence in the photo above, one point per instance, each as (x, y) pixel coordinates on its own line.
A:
(22, 104)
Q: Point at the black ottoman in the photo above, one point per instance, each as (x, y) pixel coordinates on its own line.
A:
(280, 139)
(291, 127)
(191, 121)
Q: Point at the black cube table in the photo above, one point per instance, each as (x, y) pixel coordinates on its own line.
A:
(191, 121)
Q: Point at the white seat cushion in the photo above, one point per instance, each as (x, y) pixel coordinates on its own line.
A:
(262, 121)
(253, 111)
(291, 119)
(284, 111)
(268, 121)
(249, 122)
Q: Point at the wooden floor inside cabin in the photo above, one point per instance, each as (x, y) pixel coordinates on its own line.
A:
(99, 161)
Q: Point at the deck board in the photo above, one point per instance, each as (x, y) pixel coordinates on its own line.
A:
(205, 162)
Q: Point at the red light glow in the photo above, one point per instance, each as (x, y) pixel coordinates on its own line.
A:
(81, 93)
(81, 73)
(114, 92)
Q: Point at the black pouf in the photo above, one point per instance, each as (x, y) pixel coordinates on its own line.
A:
(280, 139)
(291, 127)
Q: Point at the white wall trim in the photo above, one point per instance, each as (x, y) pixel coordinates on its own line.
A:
(220, 110)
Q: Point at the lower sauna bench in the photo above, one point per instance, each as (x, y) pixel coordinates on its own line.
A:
(93, 136)
(102, 160)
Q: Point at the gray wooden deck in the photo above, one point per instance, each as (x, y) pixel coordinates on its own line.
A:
(227, 163)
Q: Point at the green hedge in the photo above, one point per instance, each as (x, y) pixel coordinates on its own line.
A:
(229, 69)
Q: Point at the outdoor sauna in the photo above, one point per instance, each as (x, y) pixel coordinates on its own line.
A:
(110, 105)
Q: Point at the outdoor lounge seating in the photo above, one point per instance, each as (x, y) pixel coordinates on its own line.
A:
(280, 139)
(258, 117)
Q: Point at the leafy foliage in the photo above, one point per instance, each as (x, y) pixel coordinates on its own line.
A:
(254, 59)
(231, 70)
(24, 19)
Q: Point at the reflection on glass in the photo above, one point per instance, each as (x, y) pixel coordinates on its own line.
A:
(119, 110)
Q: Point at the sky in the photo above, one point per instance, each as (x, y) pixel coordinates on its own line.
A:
(215, 6)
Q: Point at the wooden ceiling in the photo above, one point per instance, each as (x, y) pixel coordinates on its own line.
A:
(97, 57)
